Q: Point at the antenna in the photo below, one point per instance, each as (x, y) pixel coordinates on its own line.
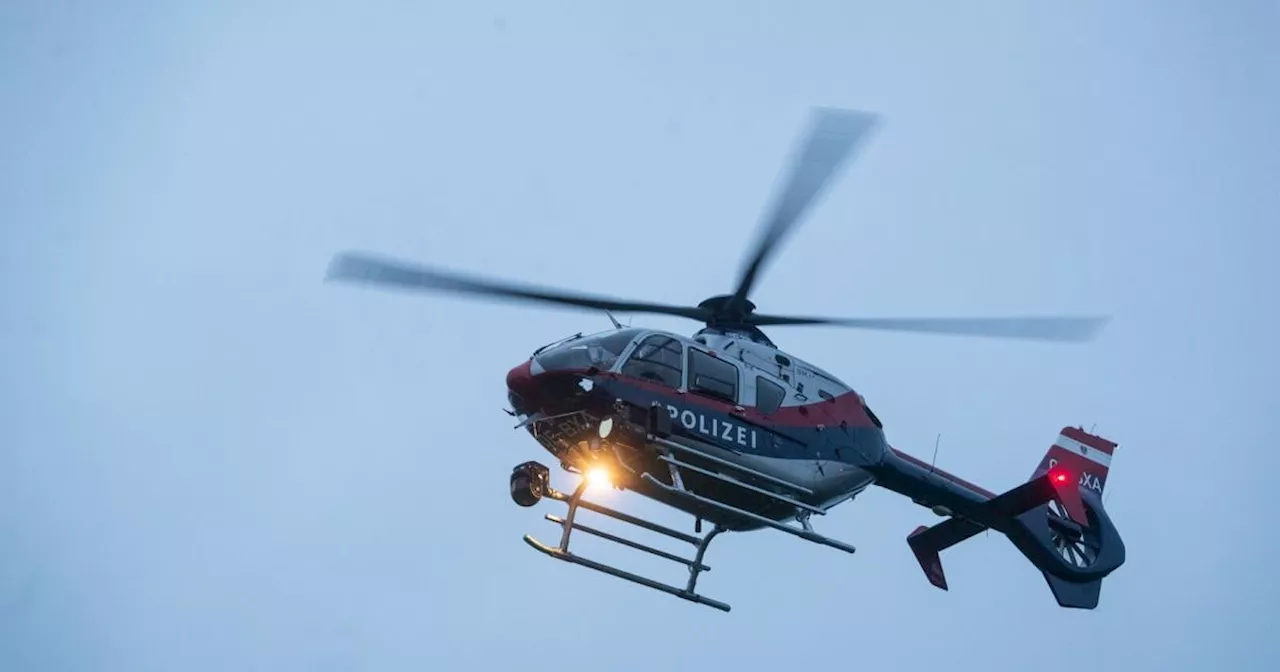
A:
(614, 320)
(1106, 494)
(936, 442)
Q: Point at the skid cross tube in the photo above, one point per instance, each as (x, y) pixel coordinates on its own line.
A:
(567, 524)
(629, 544)
(623, 517)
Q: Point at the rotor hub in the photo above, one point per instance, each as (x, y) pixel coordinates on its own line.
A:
(724, 312)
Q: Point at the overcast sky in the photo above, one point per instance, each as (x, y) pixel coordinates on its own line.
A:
(210, 460)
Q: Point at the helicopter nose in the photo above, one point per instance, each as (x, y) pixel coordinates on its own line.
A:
(520, 387)
(520, 378)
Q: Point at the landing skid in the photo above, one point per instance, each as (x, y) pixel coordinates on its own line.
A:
(531, 481)
(567, 525)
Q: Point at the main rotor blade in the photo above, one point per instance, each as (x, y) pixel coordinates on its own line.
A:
(1056, 328)
(831, 140)
(357, 267)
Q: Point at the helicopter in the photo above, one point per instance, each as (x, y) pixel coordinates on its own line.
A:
(728, 428)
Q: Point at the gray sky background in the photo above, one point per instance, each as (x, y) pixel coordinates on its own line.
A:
(210, 460)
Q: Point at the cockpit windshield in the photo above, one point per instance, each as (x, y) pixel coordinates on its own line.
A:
(600, 350)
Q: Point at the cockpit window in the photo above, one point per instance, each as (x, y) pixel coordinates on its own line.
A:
(657, 358)
(598, 350)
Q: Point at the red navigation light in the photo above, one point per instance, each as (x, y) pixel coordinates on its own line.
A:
(1059, 477)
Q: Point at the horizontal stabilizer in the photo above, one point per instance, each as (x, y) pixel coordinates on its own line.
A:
(999, 513)
(927, 542)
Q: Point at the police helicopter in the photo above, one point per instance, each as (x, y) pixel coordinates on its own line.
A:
(728, 428)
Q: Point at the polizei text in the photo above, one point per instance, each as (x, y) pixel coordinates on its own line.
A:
(713, 427)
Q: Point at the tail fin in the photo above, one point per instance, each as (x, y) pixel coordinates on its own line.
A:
(1080, 452)
(1063, 530)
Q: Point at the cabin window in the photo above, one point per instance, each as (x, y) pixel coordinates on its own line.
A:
(599, 351)
(826, 395)
(769, 396)
(659, 359)
(712, 377)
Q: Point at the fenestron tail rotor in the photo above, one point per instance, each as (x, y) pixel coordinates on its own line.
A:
(831, 141)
